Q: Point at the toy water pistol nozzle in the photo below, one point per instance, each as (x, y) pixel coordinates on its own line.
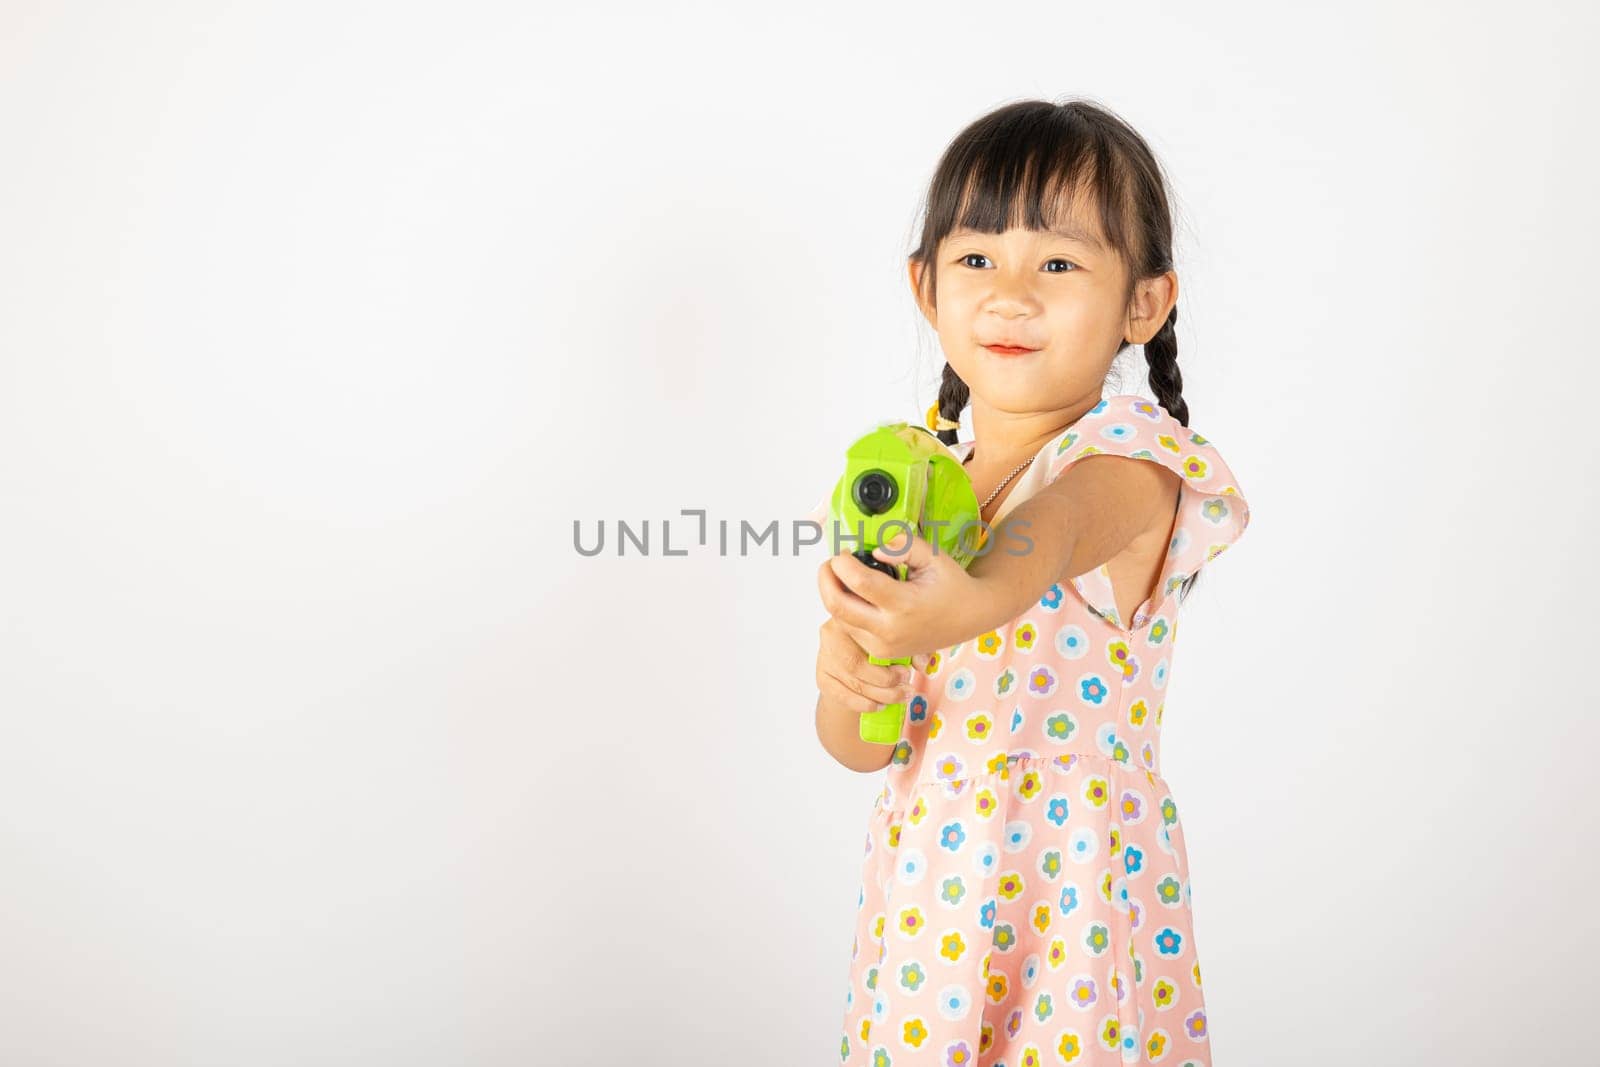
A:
(897, 478)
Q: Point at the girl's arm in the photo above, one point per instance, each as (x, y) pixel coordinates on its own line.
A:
(1087, 515)
(1082, 519)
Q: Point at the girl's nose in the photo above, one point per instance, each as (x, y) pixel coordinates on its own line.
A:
(1012, 302)
(1012, 295)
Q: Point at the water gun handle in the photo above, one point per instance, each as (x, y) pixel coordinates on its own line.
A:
(883, 726)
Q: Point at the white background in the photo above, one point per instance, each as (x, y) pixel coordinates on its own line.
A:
(321, 323)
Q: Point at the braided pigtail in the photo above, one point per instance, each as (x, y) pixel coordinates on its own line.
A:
(1161, 354)
(953, 397)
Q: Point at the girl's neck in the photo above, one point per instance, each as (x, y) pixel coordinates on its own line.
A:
(1001, 442)
(1001, 459)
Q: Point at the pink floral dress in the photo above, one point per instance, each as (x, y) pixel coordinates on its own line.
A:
(1024, 895)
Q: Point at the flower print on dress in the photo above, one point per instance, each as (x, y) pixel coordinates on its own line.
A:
(1023, 897)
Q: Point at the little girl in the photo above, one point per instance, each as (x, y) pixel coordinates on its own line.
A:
(1025, 891)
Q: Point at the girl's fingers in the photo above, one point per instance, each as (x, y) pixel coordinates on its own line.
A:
(870, 697)
(847, 656)
(873, 586)
(853, 613)
(880, 675)
(838, 693)
(850, 693)
(865, 641)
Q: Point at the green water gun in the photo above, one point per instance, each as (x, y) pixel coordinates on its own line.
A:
(901, 477)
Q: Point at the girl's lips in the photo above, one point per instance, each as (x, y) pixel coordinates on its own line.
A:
(1003, 350)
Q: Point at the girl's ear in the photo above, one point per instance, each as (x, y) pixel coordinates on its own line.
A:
(1151, 305)
(915, 268)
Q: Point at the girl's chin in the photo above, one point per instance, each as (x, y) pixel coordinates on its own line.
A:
(1007, 376)
(1014, 398)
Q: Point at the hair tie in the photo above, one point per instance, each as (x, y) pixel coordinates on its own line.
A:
(937, 422)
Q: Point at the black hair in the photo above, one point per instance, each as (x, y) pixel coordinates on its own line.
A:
(1017, 166)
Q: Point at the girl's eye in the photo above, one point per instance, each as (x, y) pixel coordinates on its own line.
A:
(1066, 262)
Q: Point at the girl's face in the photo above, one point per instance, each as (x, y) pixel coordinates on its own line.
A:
(1060, 293)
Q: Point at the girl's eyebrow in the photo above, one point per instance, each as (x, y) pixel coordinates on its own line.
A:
(1068, 233)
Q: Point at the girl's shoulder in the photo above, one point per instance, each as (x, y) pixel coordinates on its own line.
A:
(1140, 428)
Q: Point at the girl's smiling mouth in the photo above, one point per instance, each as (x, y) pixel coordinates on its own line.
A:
(1009, 350)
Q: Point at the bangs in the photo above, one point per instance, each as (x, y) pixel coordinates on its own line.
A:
(1042, 176)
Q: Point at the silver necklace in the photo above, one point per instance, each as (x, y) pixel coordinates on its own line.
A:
(1003, 481)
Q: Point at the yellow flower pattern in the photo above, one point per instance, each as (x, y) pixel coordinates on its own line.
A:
(1024, 891)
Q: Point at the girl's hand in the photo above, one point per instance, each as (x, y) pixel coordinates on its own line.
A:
(932, 609)
(845, 678)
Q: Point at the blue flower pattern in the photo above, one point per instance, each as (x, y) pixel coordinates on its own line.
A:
(1028, 889)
